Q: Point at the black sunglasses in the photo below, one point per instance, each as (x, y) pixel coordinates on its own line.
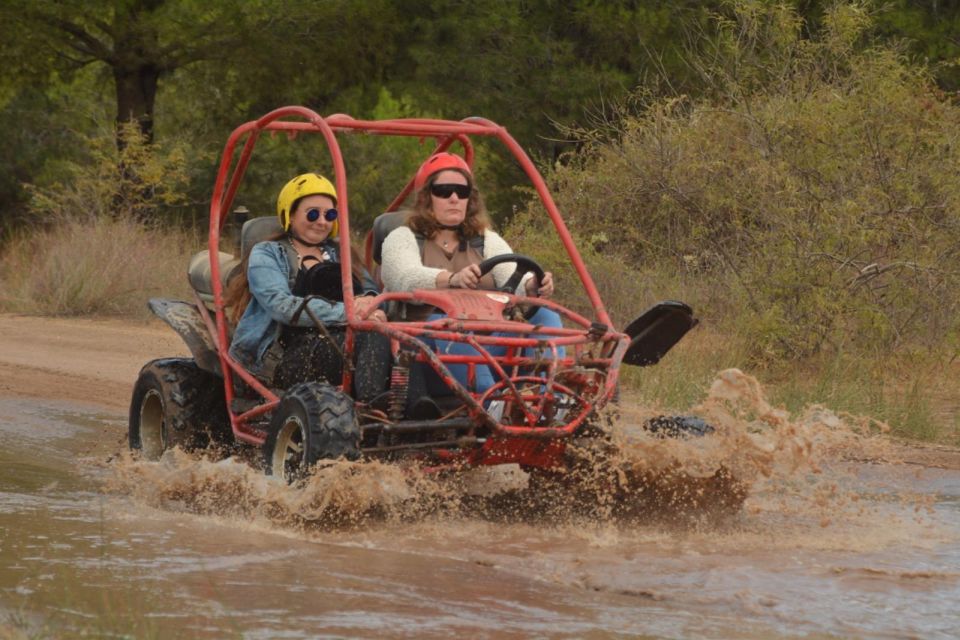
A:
(329, 215)
(447, 190)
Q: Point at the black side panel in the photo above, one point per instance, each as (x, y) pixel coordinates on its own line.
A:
(656, 331)
(184, 318)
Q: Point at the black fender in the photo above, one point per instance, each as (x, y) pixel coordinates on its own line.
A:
(185, 319)
(656, 331)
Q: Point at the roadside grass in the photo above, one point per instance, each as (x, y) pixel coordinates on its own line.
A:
(16, 628)
(110, 267)
(101, 266)
(681, 379)
(910, 389)
(915, 394)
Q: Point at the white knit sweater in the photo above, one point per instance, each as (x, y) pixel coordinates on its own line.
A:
(402, 268)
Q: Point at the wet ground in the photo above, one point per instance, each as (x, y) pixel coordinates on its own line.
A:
(190, 548)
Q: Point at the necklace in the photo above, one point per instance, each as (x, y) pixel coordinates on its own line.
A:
(445, 242)
(295, 250)
(324, 256)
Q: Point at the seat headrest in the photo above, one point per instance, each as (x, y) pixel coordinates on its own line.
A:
(257, 230)
(382, 226)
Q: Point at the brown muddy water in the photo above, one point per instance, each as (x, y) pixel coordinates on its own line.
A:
(94, 544)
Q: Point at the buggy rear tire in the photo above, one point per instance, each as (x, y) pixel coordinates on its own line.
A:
(678, 427)
(313, 422)
(175, 403)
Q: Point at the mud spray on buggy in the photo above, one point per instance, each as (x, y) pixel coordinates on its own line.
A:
(551, 385)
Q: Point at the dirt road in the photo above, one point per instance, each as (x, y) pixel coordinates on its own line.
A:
(96, 361)
(79, 360)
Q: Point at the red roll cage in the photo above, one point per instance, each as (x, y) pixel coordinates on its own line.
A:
(471, 316)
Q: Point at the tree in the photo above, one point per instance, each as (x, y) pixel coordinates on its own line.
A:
(139, 41)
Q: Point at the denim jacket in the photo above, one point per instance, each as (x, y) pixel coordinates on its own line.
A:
(272, 305)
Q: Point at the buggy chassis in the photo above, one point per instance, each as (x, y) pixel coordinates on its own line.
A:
(545, 398)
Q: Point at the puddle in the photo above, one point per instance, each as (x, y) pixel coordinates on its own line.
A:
(824, 547)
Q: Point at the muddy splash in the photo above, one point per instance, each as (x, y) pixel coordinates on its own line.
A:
(825, 544)
(630, 475)
(335, 494)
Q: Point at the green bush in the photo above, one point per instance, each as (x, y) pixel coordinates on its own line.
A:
(812, 192)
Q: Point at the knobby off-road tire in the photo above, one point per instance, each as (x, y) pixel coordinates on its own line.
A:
(680, 427)
(673, 491)
(596, 482)
(313, 422)
(175, 403)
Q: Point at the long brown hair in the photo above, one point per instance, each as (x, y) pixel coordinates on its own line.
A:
(423, 221)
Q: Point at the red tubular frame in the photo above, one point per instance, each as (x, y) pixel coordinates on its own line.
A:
(613, 344)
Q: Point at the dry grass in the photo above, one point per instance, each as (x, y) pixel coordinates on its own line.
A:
(915, 393)
(103, 266)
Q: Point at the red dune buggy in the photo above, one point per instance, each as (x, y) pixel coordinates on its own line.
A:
(537, 405)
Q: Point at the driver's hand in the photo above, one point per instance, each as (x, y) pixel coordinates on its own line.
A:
(466, 278)
(545, 290)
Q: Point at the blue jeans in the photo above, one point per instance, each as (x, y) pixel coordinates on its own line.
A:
(484, 376)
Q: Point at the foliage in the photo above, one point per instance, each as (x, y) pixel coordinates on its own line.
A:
(212, 65)
(812, 189)
(926, 29)
(129, 183)
(530, 66)
(87, 251)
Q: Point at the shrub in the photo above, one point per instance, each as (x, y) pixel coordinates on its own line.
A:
(94, 247)
(812, 191)
(97, 266)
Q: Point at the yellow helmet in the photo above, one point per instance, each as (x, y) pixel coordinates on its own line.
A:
(307, 184)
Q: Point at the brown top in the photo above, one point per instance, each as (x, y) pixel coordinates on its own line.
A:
(434, 256)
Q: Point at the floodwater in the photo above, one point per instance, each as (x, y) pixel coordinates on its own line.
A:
(95, 544)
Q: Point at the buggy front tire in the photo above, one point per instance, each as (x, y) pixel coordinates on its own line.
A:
(313, 422)
(175, 403)
(719, 495)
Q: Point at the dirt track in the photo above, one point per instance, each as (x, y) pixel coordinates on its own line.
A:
(97, 361)
(79, 360)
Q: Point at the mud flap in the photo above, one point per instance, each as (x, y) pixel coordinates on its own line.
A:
(656, 331)
(184, 318)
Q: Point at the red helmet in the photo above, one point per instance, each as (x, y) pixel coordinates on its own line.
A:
(439, 162)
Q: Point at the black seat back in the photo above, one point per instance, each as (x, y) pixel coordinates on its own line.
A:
(256, 230)
(382, 226)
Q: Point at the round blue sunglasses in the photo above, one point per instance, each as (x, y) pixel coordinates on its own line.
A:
(329, 215)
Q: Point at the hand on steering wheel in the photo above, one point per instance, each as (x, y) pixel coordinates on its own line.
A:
(525, 265)
(541, 284)
(466, 278)
(545, 290)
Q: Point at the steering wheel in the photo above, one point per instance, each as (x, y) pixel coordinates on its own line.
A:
(525, 265)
